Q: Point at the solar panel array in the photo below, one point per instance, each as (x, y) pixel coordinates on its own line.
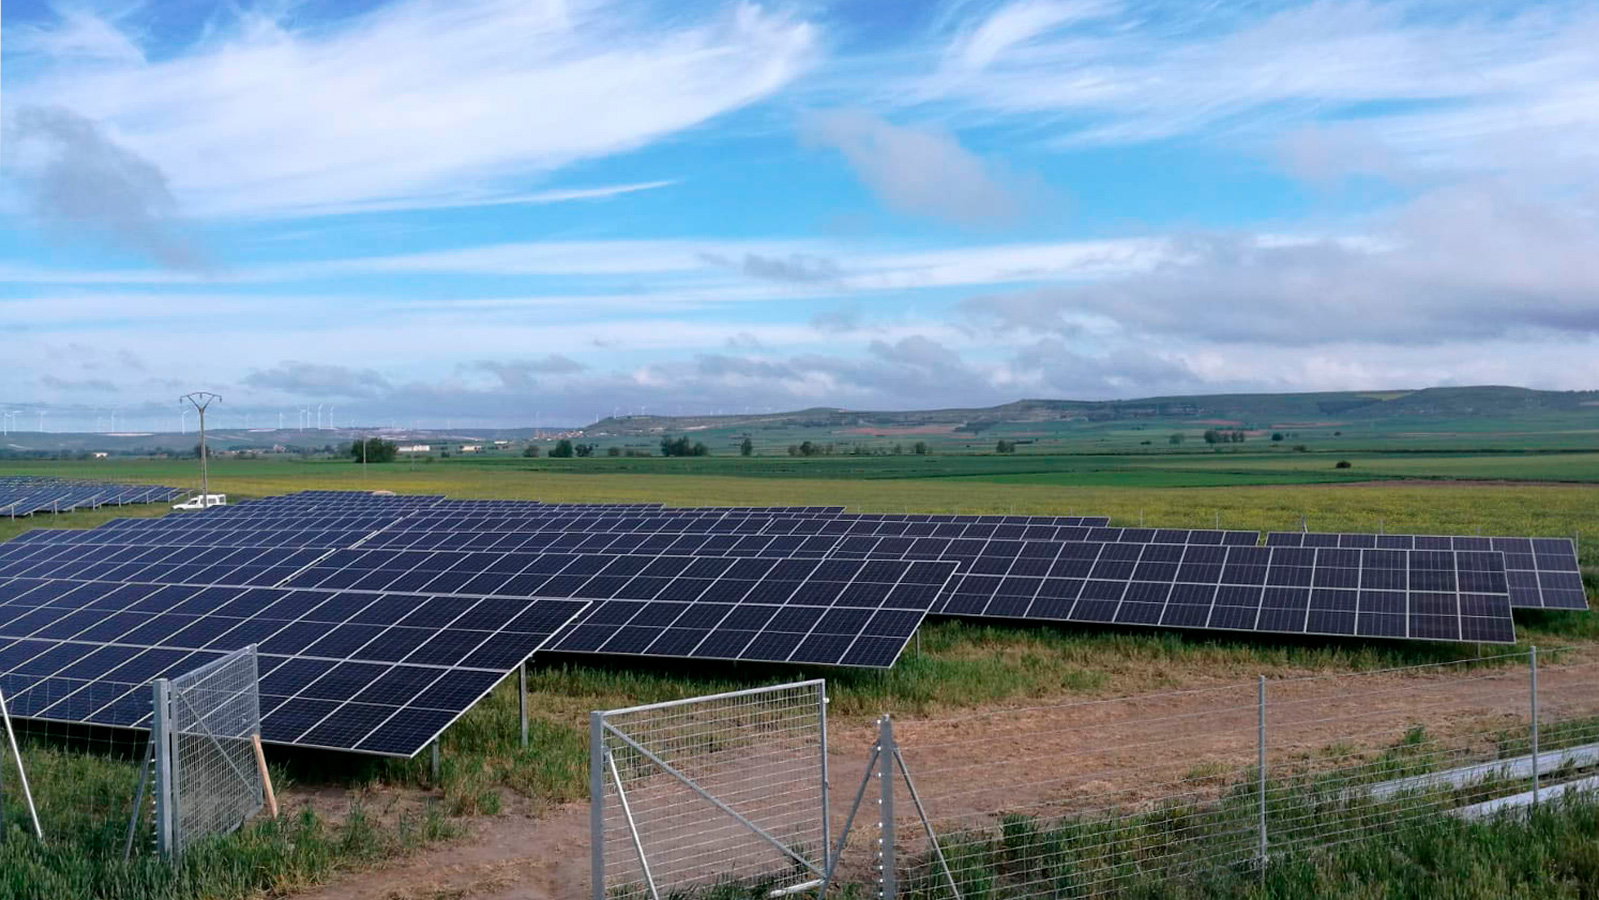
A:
(1417, 595)
(343, 670)
(1542, 572)
(381, 619)
(24, 495)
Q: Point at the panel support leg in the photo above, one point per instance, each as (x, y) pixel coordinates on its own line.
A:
(521, 699)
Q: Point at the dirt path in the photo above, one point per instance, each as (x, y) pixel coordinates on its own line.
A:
(1061, 758)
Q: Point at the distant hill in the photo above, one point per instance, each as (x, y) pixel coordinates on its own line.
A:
(1487, 402)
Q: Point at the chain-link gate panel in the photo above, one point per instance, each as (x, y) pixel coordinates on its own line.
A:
(207, 723)
(723, 788)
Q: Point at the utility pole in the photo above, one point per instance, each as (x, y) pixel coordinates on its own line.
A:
(201, 400)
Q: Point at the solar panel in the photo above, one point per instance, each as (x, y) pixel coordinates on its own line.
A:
(26, 495)
(821, 612)
(347, 670)
(1416, 594)
(1543, 572)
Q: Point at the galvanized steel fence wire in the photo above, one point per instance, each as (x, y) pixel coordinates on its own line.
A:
(1100, 798)
(212, 717)
(730, 787)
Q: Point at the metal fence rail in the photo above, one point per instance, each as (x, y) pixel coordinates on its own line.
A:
(729, 787)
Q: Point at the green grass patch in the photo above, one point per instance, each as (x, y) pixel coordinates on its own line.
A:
(85, 799)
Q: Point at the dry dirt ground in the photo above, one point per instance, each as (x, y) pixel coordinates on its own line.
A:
(1061, 758)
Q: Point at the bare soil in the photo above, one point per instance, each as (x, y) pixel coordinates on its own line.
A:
(1053, 759)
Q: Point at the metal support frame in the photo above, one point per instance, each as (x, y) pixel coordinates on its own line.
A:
(1532, 669)
(1260, 762)
(433, 762)
(161, 738)
(22, 770)
(521, 699)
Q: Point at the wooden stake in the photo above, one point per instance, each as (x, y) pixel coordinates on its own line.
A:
(266, 779)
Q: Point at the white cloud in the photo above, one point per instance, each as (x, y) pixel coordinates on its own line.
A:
(418, 101)
(1015, 24)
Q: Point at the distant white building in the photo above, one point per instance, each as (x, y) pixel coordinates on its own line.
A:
(100, 454)
(471, 448)
(414, 448)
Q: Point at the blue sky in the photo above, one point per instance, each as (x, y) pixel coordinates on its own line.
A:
(506, 212)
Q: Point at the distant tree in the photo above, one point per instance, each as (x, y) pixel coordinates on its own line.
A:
(682, 446)
(197, 450)
(563, 449)
(613, 451)
(793, 449)
(1236, 437)
(806, 448)
(747, 447)
(899, 449)
(1277, 436)
(1338, 434)
(1145, 443)
(1343, 464)
(584, 450)
(377, 450)
(1175, 439)
(1301, 448)
(1005, 446)
(1212, 436)
(919, 448)
(531, 451)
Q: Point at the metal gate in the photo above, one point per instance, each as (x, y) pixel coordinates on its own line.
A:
(203, 741)
(723, 788)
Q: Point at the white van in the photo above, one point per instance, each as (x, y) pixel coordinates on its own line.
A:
(202, 501)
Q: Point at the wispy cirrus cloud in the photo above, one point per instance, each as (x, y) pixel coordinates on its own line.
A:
(1443, 84)
(415, 102)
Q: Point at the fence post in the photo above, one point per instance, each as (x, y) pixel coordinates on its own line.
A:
(597, 804)
(885, 777)
(1532, 668)
(161, 736)
(1260, 761)
(827, 811)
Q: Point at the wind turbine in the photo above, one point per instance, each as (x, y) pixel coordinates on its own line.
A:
(319, 417)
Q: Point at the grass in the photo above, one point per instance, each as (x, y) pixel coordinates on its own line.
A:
(84, 802)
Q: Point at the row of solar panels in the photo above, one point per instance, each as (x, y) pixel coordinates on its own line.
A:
(1542, 572)
(347, 627)
(25, 495)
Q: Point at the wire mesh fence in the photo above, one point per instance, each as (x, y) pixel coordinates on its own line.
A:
(1115, 797)
(726, 788)
(207, 722)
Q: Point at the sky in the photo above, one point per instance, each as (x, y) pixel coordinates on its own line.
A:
(501, 213)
